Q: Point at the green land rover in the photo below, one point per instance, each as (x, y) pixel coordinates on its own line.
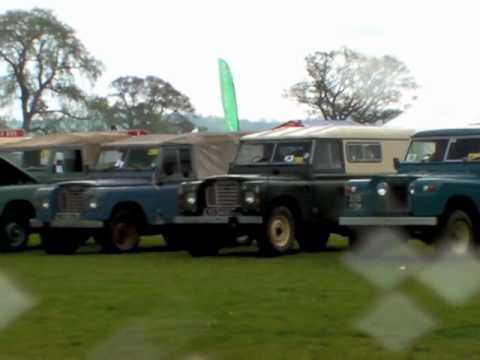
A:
(435, 195)
(286, 185)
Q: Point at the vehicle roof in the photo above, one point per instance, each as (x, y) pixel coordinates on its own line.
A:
(466, 131)
(67, 139)
(333, 132)
(142, 140)
(187, 138)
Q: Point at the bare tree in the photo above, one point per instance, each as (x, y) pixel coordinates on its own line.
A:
(42, 59)
(345, 84)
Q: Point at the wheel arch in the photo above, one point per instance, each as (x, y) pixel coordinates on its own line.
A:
(461, 202)
(130, 206)
(24, 206)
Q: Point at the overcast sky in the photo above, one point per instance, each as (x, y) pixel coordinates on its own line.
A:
(265, 43)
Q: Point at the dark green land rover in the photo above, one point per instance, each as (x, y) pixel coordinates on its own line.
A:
(435, 196)
(285, 185)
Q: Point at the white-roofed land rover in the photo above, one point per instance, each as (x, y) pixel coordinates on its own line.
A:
(286, 185)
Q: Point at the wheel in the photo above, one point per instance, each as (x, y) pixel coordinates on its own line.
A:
(61, 242)
(204, 243)
(15, 232)
(122, 233)
(311, 239)
(458, 234)
(277, 237)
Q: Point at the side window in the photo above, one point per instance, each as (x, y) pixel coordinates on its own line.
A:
(292, 153)
(170, 162)
(364, 152)
(186, 168)
(68, 161)
(464, 149)
(36, 159)
(328, 156)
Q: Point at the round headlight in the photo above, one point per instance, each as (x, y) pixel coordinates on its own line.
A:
(249, 198)
(45, 205)
(382, 189)
(93, 204)
(191, 199)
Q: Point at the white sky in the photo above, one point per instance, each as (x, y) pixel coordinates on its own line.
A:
(265, 43)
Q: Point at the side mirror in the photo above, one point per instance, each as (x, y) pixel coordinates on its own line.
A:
(396, 163)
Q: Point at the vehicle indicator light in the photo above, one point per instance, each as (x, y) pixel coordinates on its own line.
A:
(429, 188)
(350, 189)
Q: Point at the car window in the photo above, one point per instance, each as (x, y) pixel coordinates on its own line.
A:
(296, 153)
(427, 150)
(111, 159)
(67, 161)
(185, 163)
(364, 152)
(142, 159)
(256, 153)
(464, 149)
(327, 156)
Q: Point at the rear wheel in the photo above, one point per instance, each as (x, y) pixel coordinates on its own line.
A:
(122, 232)
(62, 242)
(277, 236)
(15, 232)
(458, 234)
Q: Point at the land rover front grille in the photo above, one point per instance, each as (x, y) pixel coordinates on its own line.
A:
(223, 194)
(398, 196)
(72, 199)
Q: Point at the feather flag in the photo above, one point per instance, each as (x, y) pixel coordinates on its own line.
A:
(228, 97)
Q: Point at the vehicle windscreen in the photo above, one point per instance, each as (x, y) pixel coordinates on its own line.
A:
(427, 151)
(137, 159)
(289, 153)
(30, 160)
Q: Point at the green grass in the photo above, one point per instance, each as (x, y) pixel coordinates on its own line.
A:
(166, 305)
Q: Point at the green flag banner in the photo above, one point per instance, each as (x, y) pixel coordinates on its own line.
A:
(228, 97)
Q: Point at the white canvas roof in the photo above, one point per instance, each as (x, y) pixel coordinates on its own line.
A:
(332, 132)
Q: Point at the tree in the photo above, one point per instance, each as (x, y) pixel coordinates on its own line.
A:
(345, 84)
(42, 59)
(146, 103)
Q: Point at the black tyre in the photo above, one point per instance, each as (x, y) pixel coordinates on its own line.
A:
(277, 236)
(122, 232)
(204, 242)
(311, 239)
(61, 242)
(14, 232)
(458, 234)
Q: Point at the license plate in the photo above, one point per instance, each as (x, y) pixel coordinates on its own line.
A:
(355, 201)
(219, 211)
(68, 216)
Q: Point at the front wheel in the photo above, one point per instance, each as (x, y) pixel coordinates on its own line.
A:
(14, 228)
(277, 236)
(458, 234)
(122, 233)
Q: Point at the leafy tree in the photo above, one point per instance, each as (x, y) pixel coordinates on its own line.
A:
(40, 61)
(345, 84)
(145, 103)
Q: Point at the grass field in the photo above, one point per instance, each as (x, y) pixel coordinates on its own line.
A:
(166, 305)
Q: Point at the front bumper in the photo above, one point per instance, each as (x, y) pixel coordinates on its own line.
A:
(388, 221)
(68, 224)
(205, 219)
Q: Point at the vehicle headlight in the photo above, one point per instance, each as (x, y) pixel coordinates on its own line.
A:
(250, 198)
(45, 204)
(382, 189)
(191, 199)
(93, 204)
